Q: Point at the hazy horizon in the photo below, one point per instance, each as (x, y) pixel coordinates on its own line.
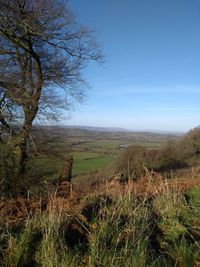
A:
(118, 128)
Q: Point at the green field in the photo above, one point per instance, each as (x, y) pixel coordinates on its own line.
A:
(113, 145)
(94, 155)
(49, 167)
(85, 162)
(105, 144)
(91, 150)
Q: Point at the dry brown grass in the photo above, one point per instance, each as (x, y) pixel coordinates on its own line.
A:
(151, 184)
(16, 210)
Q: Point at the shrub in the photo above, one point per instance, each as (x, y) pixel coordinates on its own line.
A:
(135, 160)
(190, 144)
(132, 162)
(170, 157)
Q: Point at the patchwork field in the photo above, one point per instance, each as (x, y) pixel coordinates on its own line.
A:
(92, 150)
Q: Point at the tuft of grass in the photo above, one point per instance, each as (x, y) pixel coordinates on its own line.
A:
(183, 254)
(120, 233)
(40, 242)
(116, 228)
(21, 248)
(193, 196)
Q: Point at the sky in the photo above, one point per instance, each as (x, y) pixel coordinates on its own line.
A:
(151, 76)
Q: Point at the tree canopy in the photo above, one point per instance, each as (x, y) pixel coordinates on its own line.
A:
(43, 51)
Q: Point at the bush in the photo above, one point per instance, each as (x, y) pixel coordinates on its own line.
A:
(132, 162)
(135, 160)
(167, 164)
(190, 144)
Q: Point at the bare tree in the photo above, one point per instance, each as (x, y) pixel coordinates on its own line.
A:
(43, 51)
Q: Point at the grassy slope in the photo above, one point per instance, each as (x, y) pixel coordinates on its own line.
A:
(117, 226)
(153, 222)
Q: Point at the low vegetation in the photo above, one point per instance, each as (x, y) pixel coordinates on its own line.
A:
(141, 209)
(146, 223)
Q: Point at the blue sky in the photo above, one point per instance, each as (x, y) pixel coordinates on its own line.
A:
(151, 78)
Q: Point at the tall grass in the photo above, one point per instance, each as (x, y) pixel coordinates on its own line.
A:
(120, 234)
(119, 227)
(40, 241)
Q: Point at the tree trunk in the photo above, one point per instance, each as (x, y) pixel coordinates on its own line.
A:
(20, 154)
(18, 183)
(19, 149)
(66, 174)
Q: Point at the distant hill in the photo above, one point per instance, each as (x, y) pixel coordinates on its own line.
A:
(117, 129)
(97, 129)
